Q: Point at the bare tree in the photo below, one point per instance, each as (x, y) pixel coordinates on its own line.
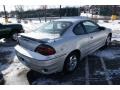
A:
(19, 11)
(60, 11)
(44, 7)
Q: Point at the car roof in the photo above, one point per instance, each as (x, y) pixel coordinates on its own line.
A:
(72, 19)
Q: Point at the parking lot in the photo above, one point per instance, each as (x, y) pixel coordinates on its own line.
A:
(101, 67)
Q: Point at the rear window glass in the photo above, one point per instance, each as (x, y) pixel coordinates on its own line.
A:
(55, 27)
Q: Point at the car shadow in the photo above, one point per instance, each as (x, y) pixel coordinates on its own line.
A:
(59, 78)
(7, 42)
(7, 53)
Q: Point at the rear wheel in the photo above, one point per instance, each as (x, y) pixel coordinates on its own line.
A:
(71, 63)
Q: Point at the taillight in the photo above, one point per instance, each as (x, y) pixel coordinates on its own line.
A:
(45, 50)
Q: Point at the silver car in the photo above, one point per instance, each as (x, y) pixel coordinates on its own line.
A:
(59, 45)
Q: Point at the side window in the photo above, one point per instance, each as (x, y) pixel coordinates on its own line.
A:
(90, 26)
(78, 30)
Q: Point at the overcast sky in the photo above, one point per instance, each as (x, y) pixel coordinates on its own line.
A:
(12, 7)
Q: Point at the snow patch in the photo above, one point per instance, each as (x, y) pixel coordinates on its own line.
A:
(108, 53)
(111, 73)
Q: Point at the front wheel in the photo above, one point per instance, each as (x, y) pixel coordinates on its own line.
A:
(71, 63)
(108, 41)
(14, 36)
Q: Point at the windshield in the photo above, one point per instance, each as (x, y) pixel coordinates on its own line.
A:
(54, 27)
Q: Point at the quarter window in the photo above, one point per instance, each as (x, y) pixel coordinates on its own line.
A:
(78, 30)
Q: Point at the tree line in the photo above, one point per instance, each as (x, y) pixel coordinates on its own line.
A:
(52, 12)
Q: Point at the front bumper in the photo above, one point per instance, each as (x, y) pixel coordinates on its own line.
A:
(37, 62)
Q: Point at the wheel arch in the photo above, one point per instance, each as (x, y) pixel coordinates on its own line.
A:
(77, 51)
(110, 34)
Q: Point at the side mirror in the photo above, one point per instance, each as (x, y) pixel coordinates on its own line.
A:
(102, 28)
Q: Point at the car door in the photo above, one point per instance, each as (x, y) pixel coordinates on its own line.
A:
(82, 38)
(95, 35)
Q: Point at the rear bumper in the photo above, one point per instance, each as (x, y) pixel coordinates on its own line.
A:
(39, 63)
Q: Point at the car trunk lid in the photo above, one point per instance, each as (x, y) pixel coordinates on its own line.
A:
(32, 40)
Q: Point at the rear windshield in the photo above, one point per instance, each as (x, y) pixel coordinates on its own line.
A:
(54, 27)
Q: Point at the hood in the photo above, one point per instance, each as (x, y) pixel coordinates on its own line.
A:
(40, 36)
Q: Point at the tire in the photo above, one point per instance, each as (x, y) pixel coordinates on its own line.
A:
(71, 63)
(108, 41)
(14, 36)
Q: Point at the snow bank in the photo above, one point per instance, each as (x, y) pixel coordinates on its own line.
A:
(114, 25)
(14, 71)
(86, 14)
(18, 74)
(28, 26)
